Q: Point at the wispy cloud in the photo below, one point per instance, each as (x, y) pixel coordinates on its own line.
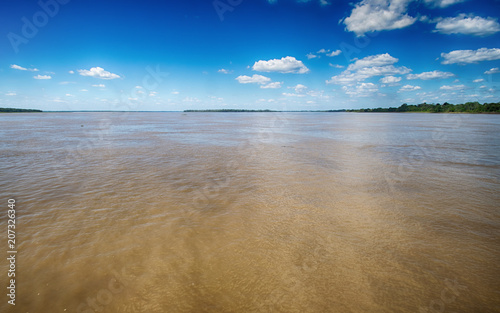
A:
(255, 79)
(42, 77)
(333, 53)
(468, 25)
(390, 80)
(442, 3)
(17, 67)
(321, 2)
(430, 75)
(454, 87)
(470, 56)
(409, 88)
(494, 70)
(336, 65)
(288, 94)
(361, 90)
(328, 53)
(274, 85)
(224, 71)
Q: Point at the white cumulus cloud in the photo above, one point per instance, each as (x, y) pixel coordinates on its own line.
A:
(99, 86)
(377, 15)
(370, 66)
(299, 88)
(430, 75)
(468, 25)
(470, 56)
(98, 72)
(479, 80)
(284, 65)
(255, 79)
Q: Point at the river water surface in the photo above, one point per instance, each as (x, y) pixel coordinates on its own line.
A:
(252, 212)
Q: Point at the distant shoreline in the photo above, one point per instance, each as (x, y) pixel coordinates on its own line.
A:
(468, 108)
(14, 110)
(242, 111)
(256, 111)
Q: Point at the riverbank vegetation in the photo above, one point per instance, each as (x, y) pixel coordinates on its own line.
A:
(229, 110)
(469, 107)
(13, 110)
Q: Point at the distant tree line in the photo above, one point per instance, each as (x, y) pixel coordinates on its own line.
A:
(229, 110)
(13, 110)
(469, 107)
(244, 110)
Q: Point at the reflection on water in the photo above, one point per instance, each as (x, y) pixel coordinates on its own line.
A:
(253, 212)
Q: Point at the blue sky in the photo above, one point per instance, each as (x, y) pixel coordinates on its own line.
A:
(251, 54)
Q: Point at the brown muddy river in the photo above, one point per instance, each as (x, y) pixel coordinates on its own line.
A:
(252, 212)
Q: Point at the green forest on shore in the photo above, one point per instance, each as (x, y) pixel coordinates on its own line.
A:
(13, 110)
(469, 107)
